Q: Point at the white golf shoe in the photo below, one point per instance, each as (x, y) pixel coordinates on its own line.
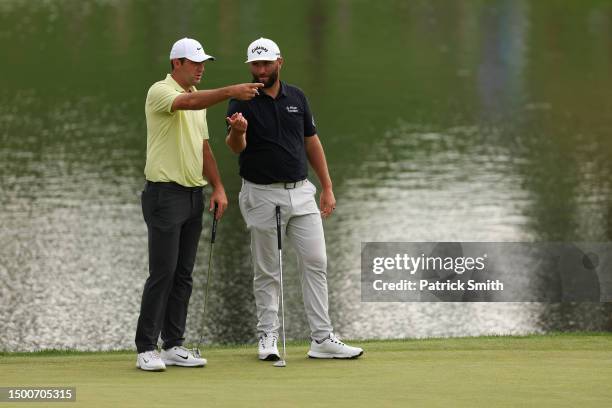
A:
(150, 361)
(268, 349)
(332, 347)
(181, 356)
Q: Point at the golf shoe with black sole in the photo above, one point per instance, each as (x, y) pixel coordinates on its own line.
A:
(267, 347)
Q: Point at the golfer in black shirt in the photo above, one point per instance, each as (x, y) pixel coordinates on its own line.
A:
(275, 135)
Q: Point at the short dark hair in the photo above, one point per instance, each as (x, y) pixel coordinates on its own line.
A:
(172, 65)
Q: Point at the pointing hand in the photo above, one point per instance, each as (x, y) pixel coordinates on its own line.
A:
(245, 92)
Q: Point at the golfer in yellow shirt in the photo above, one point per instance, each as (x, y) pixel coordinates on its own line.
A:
(179, 164)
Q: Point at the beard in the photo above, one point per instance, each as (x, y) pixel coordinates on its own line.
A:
(271, 79)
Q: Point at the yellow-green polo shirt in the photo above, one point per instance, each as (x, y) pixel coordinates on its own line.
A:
(174, 139)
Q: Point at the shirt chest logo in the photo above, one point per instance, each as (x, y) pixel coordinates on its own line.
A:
(292, 109)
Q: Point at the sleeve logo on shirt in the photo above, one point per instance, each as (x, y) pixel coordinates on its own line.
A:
(292, 109)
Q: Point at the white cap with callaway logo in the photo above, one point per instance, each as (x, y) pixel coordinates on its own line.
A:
(263, 50)
(190, 49)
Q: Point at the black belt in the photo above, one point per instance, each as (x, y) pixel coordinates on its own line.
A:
(172, 186)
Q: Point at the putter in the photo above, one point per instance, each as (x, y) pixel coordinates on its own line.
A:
(196, 351)
(281, 362)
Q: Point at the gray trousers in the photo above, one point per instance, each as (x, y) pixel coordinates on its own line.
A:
(302, 227)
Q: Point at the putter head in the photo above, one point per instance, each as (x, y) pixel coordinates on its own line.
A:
(280, 363)
(196, 352)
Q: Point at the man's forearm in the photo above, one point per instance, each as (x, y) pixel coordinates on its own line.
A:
(236, 140)
(201, 99)
(316, 158)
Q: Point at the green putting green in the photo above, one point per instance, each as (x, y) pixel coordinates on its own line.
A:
(561, 370)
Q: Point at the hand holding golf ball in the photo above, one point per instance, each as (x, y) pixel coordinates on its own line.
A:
(237, 122)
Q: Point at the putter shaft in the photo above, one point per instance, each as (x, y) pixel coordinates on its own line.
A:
(282, 362)
(208, 275)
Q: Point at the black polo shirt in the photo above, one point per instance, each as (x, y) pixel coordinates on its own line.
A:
(275, 136)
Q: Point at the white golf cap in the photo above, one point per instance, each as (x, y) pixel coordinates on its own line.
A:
(190, 49)
(263, 50)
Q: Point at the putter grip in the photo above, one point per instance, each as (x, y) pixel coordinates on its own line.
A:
(278, 226)
(214, 225)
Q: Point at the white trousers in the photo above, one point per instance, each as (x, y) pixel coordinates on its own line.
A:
(302, 227)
